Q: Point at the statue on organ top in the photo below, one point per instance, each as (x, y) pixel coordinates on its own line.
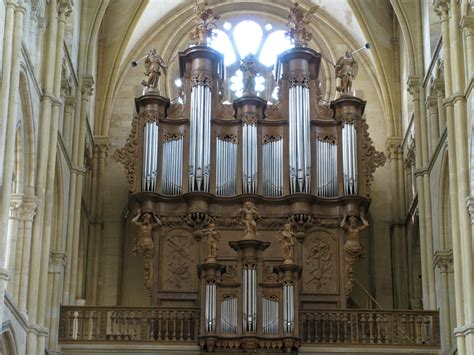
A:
(154, 64)
(249, 72)
(346, 70)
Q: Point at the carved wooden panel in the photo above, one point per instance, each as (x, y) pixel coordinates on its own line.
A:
(179, 258)
(321, 263)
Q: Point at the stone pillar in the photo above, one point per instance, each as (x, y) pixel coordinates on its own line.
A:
(433, 122)
(424, 197)
(444, 261)
(10, 6)
(16, 204)
(438, 87)
(86, 92)
(75, 186)
(69, 107)
(56, 275)
(7, 129)
(397, 230)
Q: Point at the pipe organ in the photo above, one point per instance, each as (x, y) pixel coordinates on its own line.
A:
(200, 171)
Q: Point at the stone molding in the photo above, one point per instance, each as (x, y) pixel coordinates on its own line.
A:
(444, 260)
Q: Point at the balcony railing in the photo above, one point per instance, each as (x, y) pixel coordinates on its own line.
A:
(366, 327)
(150, 324)
(329, 328)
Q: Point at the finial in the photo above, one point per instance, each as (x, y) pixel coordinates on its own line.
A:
(298, 18)
(205, 21)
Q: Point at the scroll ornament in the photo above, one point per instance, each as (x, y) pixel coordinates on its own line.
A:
(372, 159)
(128, 155)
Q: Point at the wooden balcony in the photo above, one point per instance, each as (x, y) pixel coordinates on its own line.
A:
(342, 329)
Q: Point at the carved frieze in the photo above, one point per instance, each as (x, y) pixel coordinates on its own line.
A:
(202, 78)
(226, 111)
(176, 110)
(274, 112)
(268, 138)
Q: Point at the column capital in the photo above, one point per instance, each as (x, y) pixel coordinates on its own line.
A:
(431, 103)
(16, 205)
(65, 8)
(57, 260)
(70, 102)
(444, 260)
(28, 209)
(441, 8)
(467, 25)
(414, 86)
(438, 86)
(87, 85)
(394, 148)
(101, 145)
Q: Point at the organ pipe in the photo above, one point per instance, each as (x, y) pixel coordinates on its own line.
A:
(326, 168)
(150, 156)
(229, 316)
(270, 316)
(172, 167)
(210, 307)
(249, 158)
(200, 138)
(226, 166)
(299, 139)
(288, 308)
(272, 163)
(349, 158)
(250, 300)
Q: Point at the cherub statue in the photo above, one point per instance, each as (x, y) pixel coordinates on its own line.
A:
(145, 222)
(212, 237)
(287, 236)
(248, 217)
(154, 63)
(205, 18)
(346, 70)
(248, 66)
(352, 246)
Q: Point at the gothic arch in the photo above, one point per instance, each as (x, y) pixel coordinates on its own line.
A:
(8, 345)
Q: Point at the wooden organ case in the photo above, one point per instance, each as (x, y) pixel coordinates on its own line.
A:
(213, 185)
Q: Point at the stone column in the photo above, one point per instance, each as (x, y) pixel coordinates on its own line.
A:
(86, 92)
(444, 261)
(424, 197)
(56, 273)
(69, 107)
(397, 229)
(75, 186)
(442, 8)
(10, 6)
(7, 129)
(438, 87)
(16, 204)
(27, 217)
(433, 122)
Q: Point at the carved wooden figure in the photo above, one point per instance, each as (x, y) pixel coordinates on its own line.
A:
(352, 247)
(346, 70)
(287, 237)
(212, 237)
(248, 216)
(154, 64)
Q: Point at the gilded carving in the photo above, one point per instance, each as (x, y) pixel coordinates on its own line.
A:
(319, 262)
(372, 159)
(128, 155)
(298, 18)
(352, 248)
(205, 20)
(248, 217)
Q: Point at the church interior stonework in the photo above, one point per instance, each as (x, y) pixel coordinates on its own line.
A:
(236, 176)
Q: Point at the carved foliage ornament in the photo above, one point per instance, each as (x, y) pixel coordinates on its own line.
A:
(372, 159)
(128, 155)
(226, 111)
(267, 138)
(298, 79)
(319, 261)
(202, 79)
(273, 112)
(231, 138)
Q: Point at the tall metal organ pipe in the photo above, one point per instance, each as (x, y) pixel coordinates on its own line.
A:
(349, 158)
(226, 166)
(150, 156)
(326, 168)
(172, 167)
(200, 138)
(249, 158)
(299, 139)
(272, 165)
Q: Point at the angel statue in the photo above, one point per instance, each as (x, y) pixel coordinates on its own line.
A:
(248, 216)
(212, 237)
(154, 64)
(249, 72)
(346, 70)
(287, 236)
(352, 247)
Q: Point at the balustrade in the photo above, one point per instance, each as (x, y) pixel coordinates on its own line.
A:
(128, 324)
